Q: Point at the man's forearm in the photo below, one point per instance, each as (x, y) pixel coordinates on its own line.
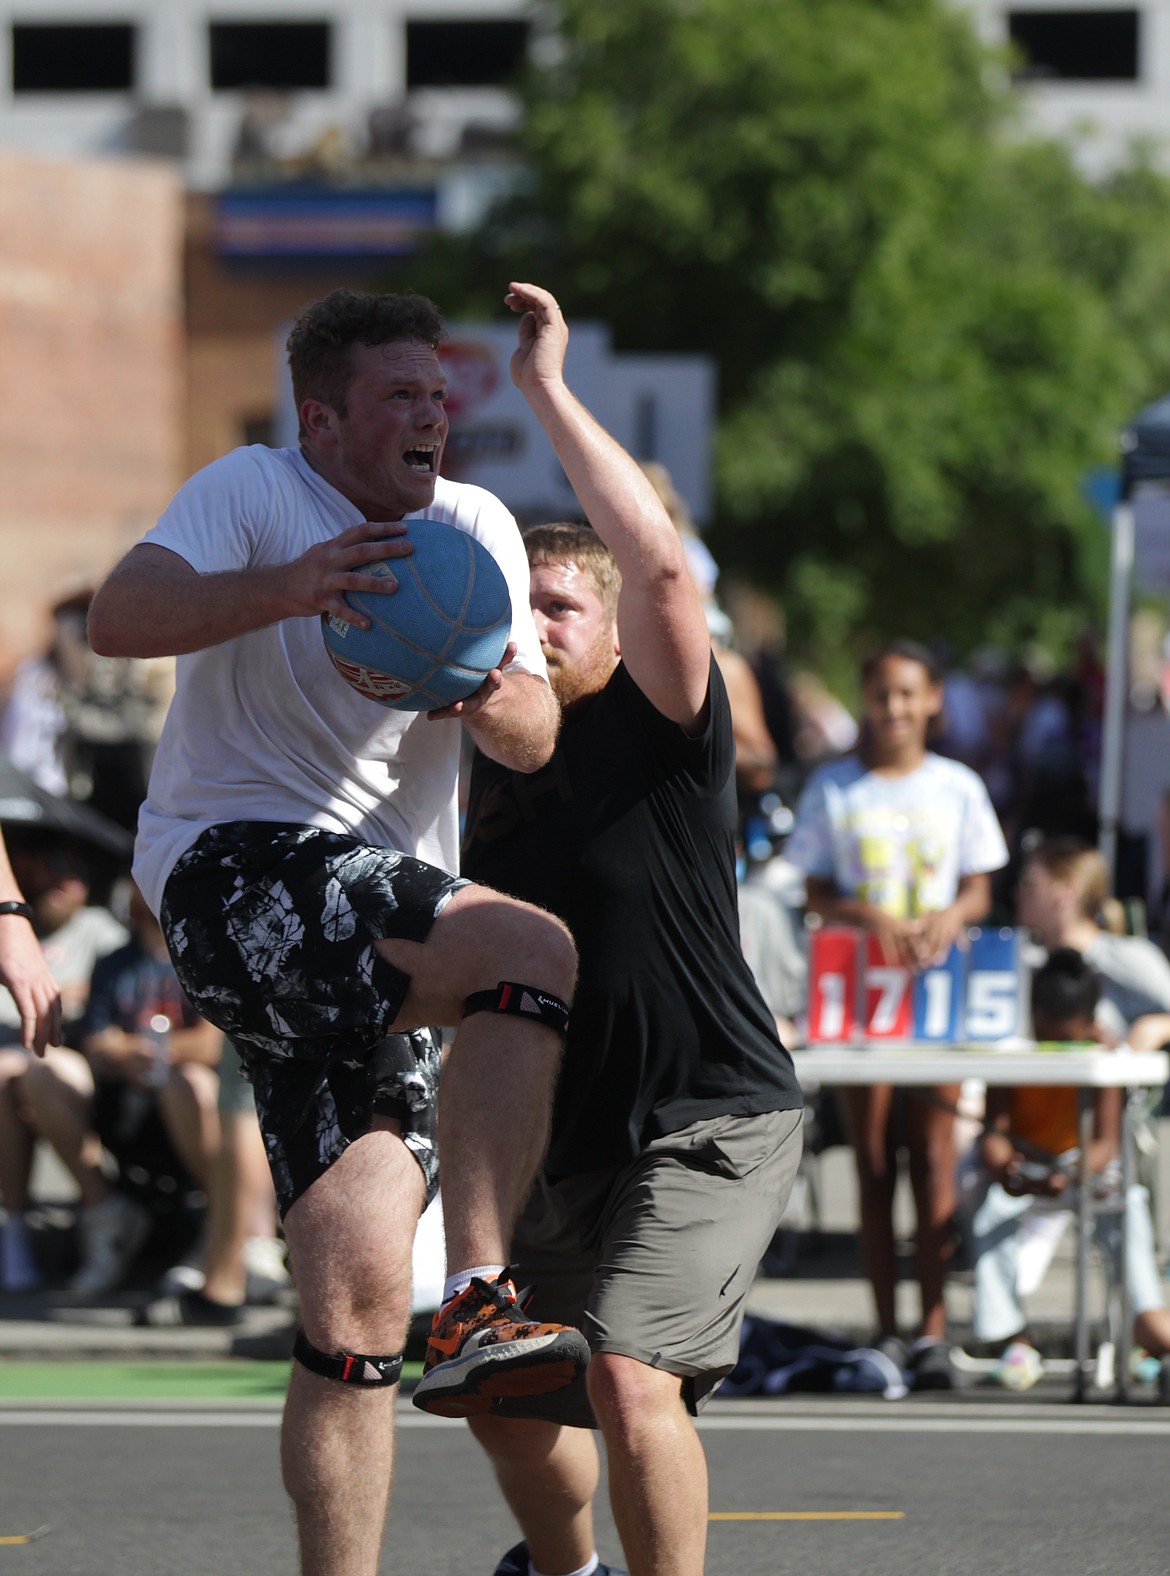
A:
(519, 725)
(155, 606)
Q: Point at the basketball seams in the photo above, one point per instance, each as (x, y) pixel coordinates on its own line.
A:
(454, 624)
(379, 668)
(418, 686)
(455, 620)
(436, 658)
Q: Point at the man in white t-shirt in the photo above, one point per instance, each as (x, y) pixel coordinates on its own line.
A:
(299, 844)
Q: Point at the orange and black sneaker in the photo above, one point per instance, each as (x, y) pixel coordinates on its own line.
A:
(482, 1348)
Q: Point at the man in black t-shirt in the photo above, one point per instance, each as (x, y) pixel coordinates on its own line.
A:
(676, 1132)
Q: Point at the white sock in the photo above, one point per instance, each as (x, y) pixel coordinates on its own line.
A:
(460, 1281)
(587, 1569)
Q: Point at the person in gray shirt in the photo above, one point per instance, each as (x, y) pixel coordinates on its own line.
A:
(1062, 890)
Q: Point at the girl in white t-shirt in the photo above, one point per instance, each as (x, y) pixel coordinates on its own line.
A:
(900, 841)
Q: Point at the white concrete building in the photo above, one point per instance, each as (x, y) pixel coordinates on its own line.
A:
(175, 77)
(1094, 72)
(84, 77)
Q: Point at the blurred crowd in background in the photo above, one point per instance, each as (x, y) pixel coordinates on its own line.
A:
(144, 1106)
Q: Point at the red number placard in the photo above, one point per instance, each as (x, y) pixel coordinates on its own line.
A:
(832, 986)
(888, 996)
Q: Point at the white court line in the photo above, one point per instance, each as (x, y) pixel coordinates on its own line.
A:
(1084, 1424)
(112, 1419)
(845, 1406)
(932, 1425)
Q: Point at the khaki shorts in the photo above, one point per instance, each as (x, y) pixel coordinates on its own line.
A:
(654, 1261)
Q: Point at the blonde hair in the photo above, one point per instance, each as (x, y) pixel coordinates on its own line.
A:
(563, 542)
(669, 496)
(1077, 864)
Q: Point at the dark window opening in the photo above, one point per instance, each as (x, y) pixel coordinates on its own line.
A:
(259, 429)
(464, 54)
(1076, 46)
(72, 57)
(269, 54)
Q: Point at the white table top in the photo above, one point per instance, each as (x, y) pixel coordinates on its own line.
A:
(1017, 1062)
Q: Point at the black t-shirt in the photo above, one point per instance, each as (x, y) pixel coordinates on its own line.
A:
(628, 835)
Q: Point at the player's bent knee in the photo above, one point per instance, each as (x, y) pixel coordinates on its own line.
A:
(546, 944)
(625, 1392)
(370, 1371)
(565, 953)
(368, 1302)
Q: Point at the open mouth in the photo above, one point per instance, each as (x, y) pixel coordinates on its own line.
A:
(423, 458)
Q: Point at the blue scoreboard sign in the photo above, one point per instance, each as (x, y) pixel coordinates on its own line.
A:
(978, 994)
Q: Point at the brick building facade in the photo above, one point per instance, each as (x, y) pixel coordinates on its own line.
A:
(91, 372)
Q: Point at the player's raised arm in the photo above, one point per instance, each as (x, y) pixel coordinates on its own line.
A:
(665, 644)
(154, 604)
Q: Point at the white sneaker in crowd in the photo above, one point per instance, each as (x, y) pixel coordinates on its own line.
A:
(111, 1235)
(267, 1268)
(180, 1278)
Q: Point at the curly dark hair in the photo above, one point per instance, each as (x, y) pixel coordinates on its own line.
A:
(326, 330)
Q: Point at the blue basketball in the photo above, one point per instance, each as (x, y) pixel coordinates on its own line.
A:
(434, 640)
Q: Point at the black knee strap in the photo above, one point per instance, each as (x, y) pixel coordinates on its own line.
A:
(522, 1001)
(347, 1367)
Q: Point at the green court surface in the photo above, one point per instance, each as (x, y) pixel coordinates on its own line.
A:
(242, 1380)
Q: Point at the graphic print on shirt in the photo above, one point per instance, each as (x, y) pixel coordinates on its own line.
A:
(899, 857)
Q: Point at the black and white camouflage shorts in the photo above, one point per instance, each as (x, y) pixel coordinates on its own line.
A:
(271, 929)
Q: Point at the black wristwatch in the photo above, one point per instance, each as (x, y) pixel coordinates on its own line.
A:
(18, 908)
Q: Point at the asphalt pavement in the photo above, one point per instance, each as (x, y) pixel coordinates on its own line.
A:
(836, 1487)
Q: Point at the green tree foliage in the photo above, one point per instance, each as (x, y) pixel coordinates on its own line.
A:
(927, 327)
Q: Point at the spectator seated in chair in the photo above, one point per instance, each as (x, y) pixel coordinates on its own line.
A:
(143, 1089)
(56, 874)
(1017, 1184)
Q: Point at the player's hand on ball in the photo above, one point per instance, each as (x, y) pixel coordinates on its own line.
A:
(473, 703)
(318, 580)
(544, 336)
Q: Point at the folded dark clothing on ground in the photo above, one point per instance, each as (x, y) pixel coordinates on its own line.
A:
(783, 1359)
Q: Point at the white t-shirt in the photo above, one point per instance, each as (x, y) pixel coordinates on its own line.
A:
(901, 843)
(262, 727)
